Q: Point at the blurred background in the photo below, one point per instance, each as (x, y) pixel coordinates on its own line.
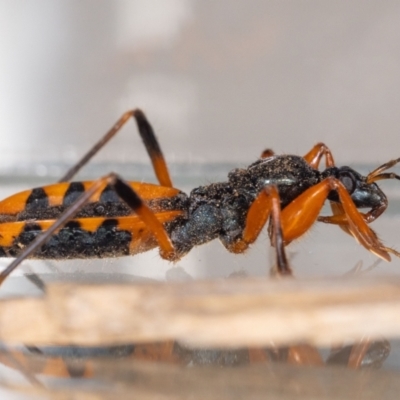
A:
(220, 81)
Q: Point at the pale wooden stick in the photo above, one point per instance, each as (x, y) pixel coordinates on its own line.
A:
(249, 312)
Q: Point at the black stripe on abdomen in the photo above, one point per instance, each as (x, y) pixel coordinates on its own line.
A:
(74, 242)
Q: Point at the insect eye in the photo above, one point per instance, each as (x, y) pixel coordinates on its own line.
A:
(348, 180)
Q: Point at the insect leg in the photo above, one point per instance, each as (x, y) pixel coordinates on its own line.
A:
(303, 211)
(266, 204)
(339, 217)
(267, 153)
(314, 156)
(159, 352)
(299, 354)
(277, 235)
(148, 137)
(134, 201)
(358, 352)
(365, 353)
(304, 354)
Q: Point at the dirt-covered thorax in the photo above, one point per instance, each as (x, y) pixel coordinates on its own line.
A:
(291, 174)
(220, 209)
(227, 203)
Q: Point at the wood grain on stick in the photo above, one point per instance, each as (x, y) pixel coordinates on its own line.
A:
(237, 312)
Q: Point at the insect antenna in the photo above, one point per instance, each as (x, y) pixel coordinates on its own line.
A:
(387, 175)
(377, 175)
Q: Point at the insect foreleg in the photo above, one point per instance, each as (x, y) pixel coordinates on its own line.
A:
(314, 156)
(302, 212)
(339, 217)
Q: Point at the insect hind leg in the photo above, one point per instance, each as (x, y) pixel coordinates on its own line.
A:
(148, 137)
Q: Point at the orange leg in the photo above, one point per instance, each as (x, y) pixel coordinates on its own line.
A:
(339, 218)
(159, 352)
(303, 211)
(298, 355)
(304, 355)
(365, 353)
(257, 355)
(358, 353)
(149, 139)
(267, 153)
(267, 203)
(313, 157)
(134, 201)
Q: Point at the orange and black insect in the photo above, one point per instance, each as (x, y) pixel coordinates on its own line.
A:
(111, 217)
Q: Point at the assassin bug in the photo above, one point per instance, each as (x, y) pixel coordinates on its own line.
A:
(110, 217)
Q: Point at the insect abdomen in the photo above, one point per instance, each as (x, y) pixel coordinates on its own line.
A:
(72, 241)
(83, 238)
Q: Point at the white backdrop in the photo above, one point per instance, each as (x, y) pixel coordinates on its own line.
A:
(220, 80)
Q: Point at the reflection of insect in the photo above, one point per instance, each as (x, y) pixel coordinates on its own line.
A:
(110, 217)
(76, 362)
